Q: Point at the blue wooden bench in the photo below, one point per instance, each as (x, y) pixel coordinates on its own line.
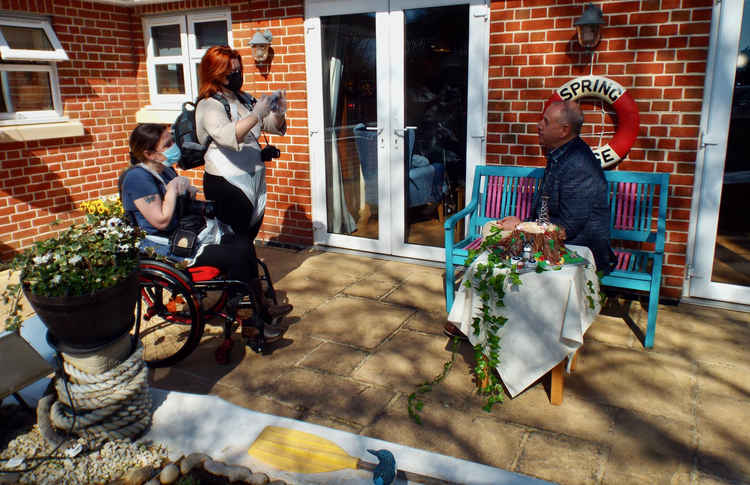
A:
(638, 202)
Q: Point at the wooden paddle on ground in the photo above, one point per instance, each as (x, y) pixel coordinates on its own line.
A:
(300, 452)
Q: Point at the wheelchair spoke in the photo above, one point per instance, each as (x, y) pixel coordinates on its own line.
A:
(171, 325)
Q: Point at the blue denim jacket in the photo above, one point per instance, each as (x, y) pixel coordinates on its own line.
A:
(574, 181)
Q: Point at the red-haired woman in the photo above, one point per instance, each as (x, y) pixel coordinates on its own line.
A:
(235, 175)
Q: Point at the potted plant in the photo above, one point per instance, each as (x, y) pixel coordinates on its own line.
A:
(82, 283)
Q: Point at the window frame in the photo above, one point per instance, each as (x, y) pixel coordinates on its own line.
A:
(8, 53)
(27, 60)
(37, 116)
(190, 56)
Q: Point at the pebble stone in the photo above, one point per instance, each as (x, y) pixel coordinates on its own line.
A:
(169, 474)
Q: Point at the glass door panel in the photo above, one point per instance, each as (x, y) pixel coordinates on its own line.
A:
(721, 255)
(350, 124)
(435, 99)
(397, 117)
(732, 249)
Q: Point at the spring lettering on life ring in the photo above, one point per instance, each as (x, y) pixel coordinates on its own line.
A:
(612, 92)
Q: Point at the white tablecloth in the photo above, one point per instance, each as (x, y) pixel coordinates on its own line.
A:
(547, 317)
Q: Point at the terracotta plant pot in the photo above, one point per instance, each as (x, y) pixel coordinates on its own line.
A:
(88, 322)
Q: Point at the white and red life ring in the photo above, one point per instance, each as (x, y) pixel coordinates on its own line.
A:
(613, 93)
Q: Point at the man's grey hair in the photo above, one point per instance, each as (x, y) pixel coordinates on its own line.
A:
(571, 114)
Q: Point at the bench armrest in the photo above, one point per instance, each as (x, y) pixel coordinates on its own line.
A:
(453, 220)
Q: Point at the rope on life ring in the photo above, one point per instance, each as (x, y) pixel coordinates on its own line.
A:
(619, 98)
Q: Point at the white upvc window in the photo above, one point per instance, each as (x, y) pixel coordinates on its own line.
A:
(29, 85)
(174, 48)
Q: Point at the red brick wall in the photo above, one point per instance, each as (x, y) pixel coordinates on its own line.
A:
(656, 49)
(289, 205)
(42, 181)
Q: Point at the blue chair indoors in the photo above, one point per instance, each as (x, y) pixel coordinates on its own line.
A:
(426, 179)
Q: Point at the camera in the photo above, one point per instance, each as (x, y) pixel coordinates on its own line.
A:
(269, 152)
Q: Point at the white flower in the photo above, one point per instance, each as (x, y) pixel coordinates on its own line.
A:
(56, 279)
(74, 259)
(124, 248)
(42, 259)
(127, 229)
(113, 221)
(59, 257)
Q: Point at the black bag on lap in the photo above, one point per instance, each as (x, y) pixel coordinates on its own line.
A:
(191, 221)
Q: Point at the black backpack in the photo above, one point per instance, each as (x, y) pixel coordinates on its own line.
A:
(186, 135)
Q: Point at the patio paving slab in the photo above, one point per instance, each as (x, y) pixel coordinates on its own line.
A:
(358, 322)
(371, 288)
(422, 289)
(723, 379)
(705, 334)
(345, 398)
(334, 358)
(456, 434)
(409, 358)
(648, 382)
(724, 428)
(662, 448)
(428, 322)
(576, 417)
(562, 458)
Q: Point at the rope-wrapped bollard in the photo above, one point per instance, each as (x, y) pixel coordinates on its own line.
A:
(113, 404)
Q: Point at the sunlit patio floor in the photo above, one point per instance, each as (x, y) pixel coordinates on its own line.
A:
(364, 332)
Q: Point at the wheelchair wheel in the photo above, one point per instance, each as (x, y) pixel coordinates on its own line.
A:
(171, 324)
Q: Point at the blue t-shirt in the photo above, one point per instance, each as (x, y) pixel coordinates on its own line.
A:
(138, 183)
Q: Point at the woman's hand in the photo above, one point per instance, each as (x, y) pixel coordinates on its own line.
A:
(179, 185)
(159, 212)
(261, 109)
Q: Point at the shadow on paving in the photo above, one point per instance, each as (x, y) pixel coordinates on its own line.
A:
(365, 332)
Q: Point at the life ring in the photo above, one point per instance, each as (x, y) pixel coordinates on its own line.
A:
(613, 93)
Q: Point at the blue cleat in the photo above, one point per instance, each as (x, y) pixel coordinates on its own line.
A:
(385, 471)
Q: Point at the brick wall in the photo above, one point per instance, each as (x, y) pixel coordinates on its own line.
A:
(42, 181)
(289, 205)
(656, 49)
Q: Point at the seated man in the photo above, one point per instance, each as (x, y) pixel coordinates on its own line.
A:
(574, 182)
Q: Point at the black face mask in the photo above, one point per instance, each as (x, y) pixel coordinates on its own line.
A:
(234, 81)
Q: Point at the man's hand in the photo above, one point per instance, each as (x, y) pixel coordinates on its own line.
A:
(509, 223)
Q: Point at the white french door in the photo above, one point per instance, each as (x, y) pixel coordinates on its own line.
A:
(719, 268)
(397, 103)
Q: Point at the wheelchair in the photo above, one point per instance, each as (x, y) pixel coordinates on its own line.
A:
(176, 304)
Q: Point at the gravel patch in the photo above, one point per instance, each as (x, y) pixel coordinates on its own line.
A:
(111, 461)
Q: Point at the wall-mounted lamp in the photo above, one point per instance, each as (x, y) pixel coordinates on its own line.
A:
(588, 26)
(260, 44)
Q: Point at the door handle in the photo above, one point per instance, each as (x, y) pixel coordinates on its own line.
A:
(374, 128)
(402, 132)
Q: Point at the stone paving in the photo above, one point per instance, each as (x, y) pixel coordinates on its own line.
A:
(364, 332)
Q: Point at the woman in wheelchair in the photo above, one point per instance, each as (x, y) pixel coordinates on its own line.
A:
(151, 192)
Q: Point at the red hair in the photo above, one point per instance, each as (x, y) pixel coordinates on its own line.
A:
(215, 65)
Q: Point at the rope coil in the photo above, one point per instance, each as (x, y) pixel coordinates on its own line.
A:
(115, 404)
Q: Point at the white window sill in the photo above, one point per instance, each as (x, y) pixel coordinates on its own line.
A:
(156, 115)
(41, 131)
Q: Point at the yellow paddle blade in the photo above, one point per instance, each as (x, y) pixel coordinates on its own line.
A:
(299, 452)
